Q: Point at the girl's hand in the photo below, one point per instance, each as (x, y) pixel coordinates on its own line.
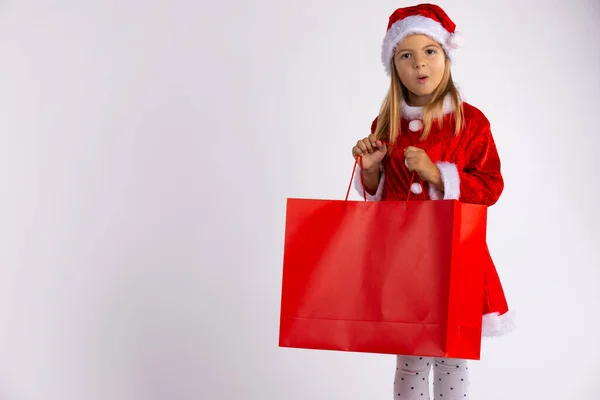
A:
(371, 150)
(417, 160)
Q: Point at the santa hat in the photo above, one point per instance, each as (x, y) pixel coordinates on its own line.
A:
(427, 19)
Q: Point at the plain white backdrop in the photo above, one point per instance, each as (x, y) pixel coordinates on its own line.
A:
(147, 150)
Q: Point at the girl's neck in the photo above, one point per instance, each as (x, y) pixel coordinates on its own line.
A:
(418, 101)
(411, 112)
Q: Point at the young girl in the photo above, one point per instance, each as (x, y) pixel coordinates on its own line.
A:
(425, 134)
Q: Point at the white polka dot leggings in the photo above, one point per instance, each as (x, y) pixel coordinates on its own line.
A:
(450, 378)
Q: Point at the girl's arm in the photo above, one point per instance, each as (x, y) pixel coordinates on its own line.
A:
(480, 180)
(374, 180)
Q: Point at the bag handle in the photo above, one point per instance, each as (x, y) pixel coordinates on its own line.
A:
(356, 161)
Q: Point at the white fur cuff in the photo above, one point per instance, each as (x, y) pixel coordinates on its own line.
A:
(451, 180)
(494, 324)
(359, 186)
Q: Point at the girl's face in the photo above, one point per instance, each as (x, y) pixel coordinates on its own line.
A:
(420, 64)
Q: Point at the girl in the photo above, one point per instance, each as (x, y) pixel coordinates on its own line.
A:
(426, 140)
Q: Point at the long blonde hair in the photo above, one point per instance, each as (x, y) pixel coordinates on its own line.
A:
(388, 122)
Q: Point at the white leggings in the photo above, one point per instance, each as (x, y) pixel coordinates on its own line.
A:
(450, 378)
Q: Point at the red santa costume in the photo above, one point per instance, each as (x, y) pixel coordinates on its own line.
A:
(469, 163)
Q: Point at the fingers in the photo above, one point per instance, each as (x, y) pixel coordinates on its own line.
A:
(375, 144)
(380, 145)
(412, 164)
(360, 149)
(367, 146)
(413, 151)
(414, 157)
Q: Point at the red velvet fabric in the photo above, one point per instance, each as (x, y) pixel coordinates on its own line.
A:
(473, 151)
(432, 11)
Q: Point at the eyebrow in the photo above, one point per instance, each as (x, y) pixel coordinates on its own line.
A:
(429, 45)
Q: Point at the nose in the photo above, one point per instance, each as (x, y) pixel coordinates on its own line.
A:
(419, 63)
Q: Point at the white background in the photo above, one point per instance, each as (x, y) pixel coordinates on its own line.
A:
(148, 148)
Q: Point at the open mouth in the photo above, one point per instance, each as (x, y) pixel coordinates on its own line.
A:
(422, 79)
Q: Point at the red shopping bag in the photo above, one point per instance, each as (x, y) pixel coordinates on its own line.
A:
(384, 277)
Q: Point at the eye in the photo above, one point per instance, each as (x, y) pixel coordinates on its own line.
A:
(405, 55)
(431, 51)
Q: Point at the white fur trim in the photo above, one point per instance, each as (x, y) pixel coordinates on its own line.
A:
(359, 186)
(434, 193)
(408, 26)
(451, 180)
(455, 40)
(416, 188)
(415, 125)
(415, 112)
(494, 324)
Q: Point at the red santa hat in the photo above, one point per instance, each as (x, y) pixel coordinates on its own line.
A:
(427, 19)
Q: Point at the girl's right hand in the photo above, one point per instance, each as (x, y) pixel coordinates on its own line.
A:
(371, 150)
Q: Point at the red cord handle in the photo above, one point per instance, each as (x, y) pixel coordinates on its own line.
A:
(357, 158)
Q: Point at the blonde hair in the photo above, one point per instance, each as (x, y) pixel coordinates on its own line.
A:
(388, 122)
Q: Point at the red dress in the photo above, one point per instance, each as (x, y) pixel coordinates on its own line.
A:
(470, 168)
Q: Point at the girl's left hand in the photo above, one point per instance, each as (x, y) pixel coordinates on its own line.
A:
(417, 160)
